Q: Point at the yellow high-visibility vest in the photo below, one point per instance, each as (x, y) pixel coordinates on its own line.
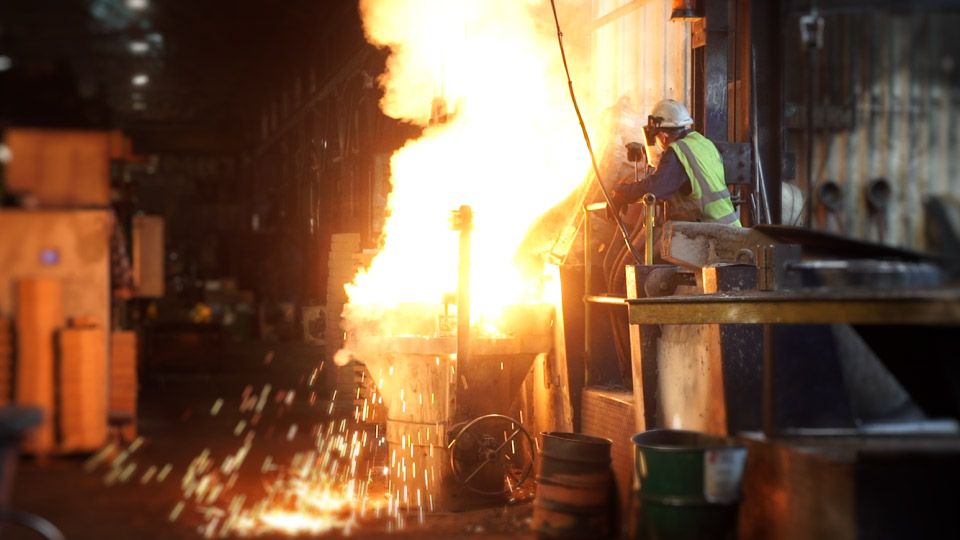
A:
(709, 197)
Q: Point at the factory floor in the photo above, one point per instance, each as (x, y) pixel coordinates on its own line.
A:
(177, 424)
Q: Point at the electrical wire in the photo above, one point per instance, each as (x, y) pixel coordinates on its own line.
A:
(586, 138)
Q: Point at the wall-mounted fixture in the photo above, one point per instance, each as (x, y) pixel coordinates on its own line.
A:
(685, 10)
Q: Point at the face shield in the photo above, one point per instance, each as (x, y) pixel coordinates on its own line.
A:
(650, 140)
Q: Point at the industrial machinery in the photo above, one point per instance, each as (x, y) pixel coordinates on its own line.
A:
(776, 275)
(819, 346)
(457, 399)
(477, 452)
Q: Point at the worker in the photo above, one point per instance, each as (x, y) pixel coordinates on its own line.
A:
(689, 174)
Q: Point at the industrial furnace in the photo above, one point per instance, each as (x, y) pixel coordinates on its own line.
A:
(459, 431)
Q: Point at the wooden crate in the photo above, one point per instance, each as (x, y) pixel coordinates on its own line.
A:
(83, 390)
(148, 256)
(123, 387)
(63, 168)
(6, 361)
(39, 315)
(71, 246)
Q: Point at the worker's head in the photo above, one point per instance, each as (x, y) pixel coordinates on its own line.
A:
(668, 120)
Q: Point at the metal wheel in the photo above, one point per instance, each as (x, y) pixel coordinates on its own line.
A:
(35, 523)
(491, 454)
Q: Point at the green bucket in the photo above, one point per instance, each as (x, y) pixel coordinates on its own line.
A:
(686, 485)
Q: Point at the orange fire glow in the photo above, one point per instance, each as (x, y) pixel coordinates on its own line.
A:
(484, 80)
(510, 148)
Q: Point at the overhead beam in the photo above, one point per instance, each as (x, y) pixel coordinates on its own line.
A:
(619, 12)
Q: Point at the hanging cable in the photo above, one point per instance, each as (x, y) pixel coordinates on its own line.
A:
(586, 138)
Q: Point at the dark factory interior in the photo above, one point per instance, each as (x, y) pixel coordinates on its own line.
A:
(553, 269)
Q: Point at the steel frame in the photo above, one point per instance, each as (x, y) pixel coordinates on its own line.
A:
(940, 307)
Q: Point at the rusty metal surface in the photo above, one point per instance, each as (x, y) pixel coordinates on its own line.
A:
(932, 307)
(717, 71)
(573, 495)
(891, 107)
(638, 54)
(737, 162)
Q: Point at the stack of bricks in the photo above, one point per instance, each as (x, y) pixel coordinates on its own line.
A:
(6, 362)
(83, 389)
(123, 380)
(354, 388)
(343, 263)
(356, 399)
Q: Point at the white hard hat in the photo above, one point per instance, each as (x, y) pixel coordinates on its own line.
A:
(670, 113)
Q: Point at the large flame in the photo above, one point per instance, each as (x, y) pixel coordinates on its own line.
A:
(509, 147)
(484, 79)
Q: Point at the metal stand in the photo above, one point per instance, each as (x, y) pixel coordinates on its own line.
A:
(463, 222)
(478, 458)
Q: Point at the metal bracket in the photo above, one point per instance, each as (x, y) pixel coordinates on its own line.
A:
(737, 162)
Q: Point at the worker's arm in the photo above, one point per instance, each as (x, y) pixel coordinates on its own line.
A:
(668, 179)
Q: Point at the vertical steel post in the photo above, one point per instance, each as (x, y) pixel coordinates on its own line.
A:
(717, 69)
(769, 413)
(649, 217)
(463, 222)
(587, 281)
(766, 22)
(811, 37)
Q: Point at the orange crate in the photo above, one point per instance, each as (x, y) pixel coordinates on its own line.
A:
(38, 314)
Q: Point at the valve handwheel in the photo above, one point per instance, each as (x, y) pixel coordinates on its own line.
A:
(491, 454)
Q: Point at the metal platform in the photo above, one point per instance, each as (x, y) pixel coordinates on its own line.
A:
(921, 307)
(918, 307)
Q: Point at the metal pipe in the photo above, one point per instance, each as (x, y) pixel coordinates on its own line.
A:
(596, 207)
(811, 131)
(649, 216)
(605, 300)
(586, 138)
(811, 36)
(463, 222)
(587, 281)
(761, 187)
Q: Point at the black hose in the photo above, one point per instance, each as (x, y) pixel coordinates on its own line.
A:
(620, 255)
(586, 139)
(617, 318)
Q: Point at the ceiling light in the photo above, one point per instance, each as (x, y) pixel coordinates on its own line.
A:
(138, 46)
(140, 79)
(137, 4)
(5, 62)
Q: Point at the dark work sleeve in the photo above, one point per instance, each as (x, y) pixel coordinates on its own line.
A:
(668, 179)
